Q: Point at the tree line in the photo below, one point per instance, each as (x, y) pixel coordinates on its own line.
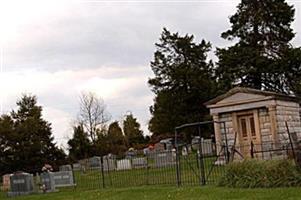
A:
(27, 142)
(92, 135)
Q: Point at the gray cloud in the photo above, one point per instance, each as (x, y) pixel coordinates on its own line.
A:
(57, 50)
(111, 34)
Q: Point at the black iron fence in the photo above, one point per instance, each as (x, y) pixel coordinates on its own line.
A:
(263, 151)
(188, 166)
(194, 164)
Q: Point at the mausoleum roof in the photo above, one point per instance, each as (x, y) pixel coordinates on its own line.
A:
(244, 90)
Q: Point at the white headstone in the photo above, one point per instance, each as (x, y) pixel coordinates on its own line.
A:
(76, 167)
(139, 163)
(124, 164)
(109, 164)
(163, 159)
(94, 162)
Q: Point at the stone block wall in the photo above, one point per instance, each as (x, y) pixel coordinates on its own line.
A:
(288, 112)
(227, 118)
(265, 125)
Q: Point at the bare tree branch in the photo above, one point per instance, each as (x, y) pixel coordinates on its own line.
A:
(93, 114)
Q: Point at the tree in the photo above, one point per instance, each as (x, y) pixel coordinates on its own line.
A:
(263, 33)
(7, 144)
(26, 138)
(183, 81)
(116, 139)
(93, 114)
(132, 131)
(79, 145)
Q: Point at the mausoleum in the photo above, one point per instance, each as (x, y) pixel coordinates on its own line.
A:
(254, 116)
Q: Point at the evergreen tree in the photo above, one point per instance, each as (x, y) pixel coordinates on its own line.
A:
(116, 139)
(263, 33)
(183, 82)
(8, 141)
(102, 146)
(132, 131)
(28, 138)
(79, 145)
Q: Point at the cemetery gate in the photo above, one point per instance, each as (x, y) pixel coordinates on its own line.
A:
(199, 161)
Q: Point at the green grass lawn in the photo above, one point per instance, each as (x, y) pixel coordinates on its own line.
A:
(167, 192)
(189, 172)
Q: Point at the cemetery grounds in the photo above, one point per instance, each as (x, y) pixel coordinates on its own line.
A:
(157, 184)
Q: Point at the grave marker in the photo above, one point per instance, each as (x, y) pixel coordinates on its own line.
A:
(139, 163)
(47, 181)
(124, 164)
(109, 164)
(6, 182)
(94, 162)
(76, 167)
(21, 184)
(65, 168)
(63, 179)
(164, 159)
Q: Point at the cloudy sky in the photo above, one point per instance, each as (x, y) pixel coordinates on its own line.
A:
(57, 49)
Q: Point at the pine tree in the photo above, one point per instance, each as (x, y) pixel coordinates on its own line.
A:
(132, 131)
(183, 82)
(116, 139)
(79, 145)
(28, 138)
(263, 33)
(8, 140)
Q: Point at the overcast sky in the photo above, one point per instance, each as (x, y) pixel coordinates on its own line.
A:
(57, 49)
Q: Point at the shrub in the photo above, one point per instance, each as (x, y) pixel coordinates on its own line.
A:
(260, 173)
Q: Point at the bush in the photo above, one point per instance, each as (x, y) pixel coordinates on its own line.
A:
(260, 173)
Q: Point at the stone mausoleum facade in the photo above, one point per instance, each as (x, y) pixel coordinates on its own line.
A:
(254, 116)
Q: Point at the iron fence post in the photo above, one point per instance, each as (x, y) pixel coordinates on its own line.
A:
(226, 142)
(252, 149)
(102, 172)
(147, 170)
(291, 142)
(201, 160)
(178, 173)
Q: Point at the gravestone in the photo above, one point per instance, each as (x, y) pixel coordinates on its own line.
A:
(164, 159)
(6, 182)
(76, 167)
(109, 164)
(139, 163)
(65, 168)
(207, 147)
(84, 164)
(21, 184)
(184, 151)
(47, 181)
(94, 162)
(124, 164)
(63, 179)
(151, 154)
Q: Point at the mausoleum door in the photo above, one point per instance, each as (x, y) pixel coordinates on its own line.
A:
(247, 134)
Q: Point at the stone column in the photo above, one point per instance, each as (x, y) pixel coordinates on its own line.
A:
(273, 122)
(217, 132)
